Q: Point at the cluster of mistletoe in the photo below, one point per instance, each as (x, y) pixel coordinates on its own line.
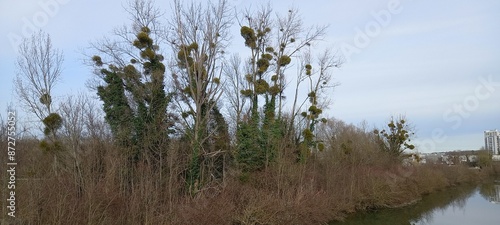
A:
(396, 139)
(135, 101)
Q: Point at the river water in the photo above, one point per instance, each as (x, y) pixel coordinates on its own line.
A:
(463, 205)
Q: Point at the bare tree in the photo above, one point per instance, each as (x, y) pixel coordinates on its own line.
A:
(74, 111)
(120, 50)
(199, 37)
(320, 80)
(39, 70)
(234, 83)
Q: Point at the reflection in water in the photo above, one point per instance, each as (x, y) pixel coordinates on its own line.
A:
(491, 192)
(459, 205)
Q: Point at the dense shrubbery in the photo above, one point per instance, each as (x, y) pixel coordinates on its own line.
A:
(350, 174)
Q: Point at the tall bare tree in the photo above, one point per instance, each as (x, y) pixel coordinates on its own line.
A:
(199, 37)
(238, 105)
(38, 71)
(319, 81)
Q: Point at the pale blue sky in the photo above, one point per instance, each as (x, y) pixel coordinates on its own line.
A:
(438, 62)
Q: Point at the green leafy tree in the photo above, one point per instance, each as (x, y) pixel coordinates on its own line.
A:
(133, 91)
(135, 101)
(130, 81)
(395, 139)
(119, 114)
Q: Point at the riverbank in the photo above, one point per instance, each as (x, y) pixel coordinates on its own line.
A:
(319, 194)
(461, 205)
(322, 190)
(319, 199)
(328, 187)
(447, 187)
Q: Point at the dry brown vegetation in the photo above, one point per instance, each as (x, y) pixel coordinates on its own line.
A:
(331, 184)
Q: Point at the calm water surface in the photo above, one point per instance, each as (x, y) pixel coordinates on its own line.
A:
(465, 205)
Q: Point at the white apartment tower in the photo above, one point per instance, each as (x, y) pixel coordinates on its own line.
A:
(492, 141)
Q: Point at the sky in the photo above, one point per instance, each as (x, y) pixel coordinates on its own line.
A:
(436, 62)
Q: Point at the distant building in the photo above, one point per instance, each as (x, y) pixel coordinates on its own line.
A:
(494, 197)
(492, 141)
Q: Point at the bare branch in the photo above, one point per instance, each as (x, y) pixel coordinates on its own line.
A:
(38, 71)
